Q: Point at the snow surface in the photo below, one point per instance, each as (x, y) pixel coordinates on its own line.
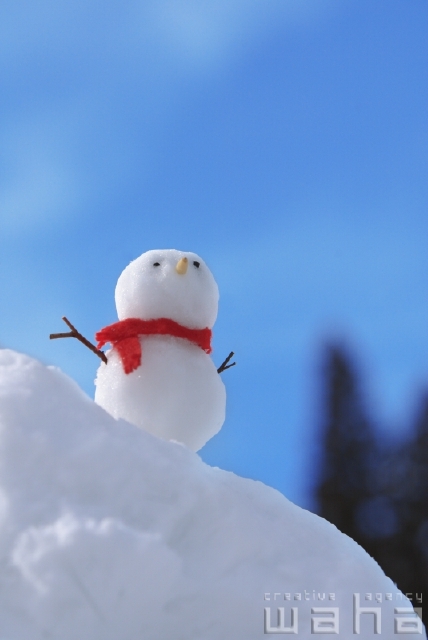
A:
(108, 533)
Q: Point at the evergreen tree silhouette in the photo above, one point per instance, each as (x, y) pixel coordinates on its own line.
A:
(375, 491)
(348, 444)
(413, 503)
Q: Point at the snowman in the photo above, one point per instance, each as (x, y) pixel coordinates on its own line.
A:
(158, 374)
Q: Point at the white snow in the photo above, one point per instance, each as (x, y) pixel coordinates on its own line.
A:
(147, 291)
(176, 392)
(108, 533)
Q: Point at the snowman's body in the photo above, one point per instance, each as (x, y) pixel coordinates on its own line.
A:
(176, 392)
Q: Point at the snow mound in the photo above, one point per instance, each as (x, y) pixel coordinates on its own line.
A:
(109, 533)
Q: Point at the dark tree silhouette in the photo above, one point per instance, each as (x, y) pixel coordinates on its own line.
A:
(345, 479)
(374, 490)
(413, 503)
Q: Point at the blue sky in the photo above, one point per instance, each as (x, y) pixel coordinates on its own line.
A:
(285, 142)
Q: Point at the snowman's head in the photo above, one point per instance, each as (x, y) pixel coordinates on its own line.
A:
(168, 284)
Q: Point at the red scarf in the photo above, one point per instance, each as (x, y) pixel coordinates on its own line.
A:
(124, 334)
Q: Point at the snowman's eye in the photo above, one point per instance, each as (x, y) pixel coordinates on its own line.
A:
(196, 264)
(156, 264)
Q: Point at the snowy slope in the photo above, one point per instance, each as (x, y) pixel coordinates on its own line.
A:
(107, 533)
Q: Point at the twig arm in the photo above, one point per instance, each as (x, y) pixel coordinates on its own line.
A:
(224, 365)
(76, 334)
